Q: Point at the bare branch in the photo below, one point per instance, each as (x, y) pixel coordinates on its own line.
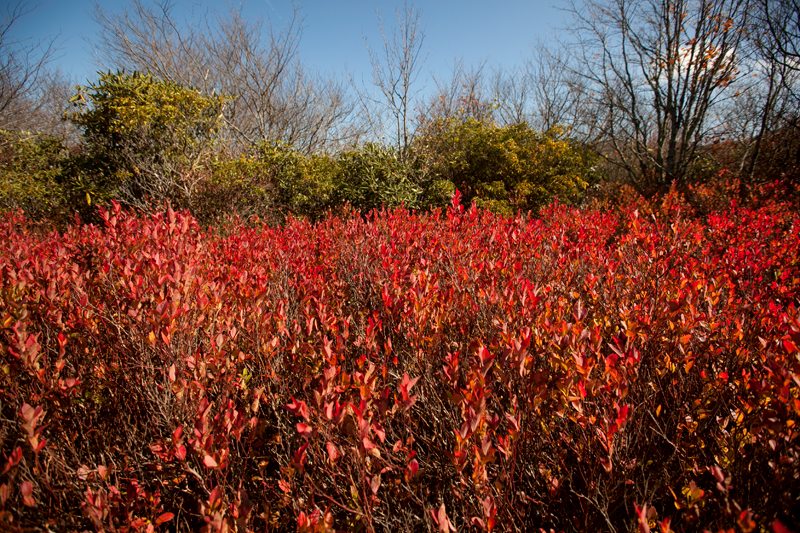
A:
(23, 76)
(394, 75)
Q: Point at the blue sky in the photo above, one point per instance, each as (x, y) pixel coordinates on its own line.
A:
(500, 31)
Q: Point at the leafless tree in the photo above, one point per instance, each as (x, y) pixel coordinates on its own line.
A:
(656, 72)
(544, 92)
(394, 75)
(24, 77)
(781, 20)
(511, 94)
(776, 32)
(766, 101)
(557, 95)
(275, 96)
(462, 93)
(763, 107)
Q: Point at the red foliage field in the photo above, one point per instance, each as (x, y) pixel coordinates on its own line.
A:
(604, 370)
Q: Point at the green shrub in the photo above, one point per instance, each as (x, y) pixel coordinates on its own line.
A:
(503, 167)
(305, 184)
(270, 181)
(31, 174)
(240, 186)
(373, 176)
(146, 140)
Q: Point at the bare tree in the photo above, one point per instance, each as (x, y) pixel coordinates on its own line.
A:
(776, 29)
(275, 96)
(394, 75)
(781, 20)
(462, 93)
(656, 72)
(557, 94)
(511, 91)
(761, 109)
(23, 72)
(544, 93)
(766, 102)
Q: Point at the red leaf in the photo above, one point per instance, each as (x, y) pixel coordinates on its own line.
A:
(578, 311)
(489, 507)
(333, 453)
(375, 484)
(746, 522)
(513, 421)
(440, 517)
(83, 472)
(31, 414)
(298, 408)
(305, 430)
(13, 459)
(379, 431)
(411, 470)
(210, 462)
(300, 455)
(27, 494)
(409, 403)
(718, 473)
(778, 527)
(166, 517)
(243, 506)
(642, 513)
(407, 383)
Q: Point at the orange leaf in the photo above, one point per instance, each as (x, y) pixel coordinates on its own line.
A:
(166, 517)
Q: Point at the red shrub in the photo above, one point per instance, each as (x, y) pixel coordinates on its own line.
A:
(450, 371)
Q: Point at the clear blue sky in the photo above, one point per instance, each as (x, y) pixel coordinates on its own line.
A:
(499, 31)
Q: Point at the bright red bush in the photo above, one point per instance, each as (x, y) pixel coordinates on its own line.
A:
(403, 372)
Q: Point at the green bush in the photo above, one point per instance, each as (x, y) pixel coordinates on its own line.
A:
(270, 181)
(305, 184)
(373, 176)
(274, 180)
(502, 167)
(146, 140)
(31, 174)
(239, 186)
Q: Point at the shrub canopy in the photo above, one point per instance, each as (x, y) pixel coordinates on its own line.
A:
(504, 167)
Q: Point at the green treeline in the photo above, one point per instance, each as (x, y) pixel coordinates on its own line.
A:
(148, 142)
